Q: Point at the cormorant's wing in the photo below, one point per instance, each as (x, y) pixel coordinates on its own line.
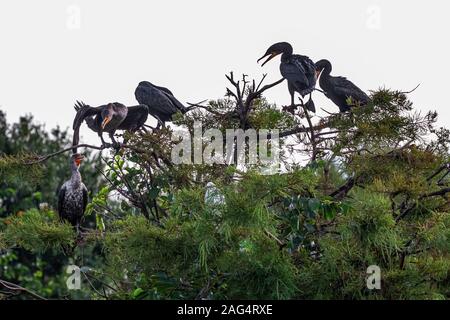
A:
(163, 89)
(310, 69)
(150, 88)
(295, 74)
(177, 103)
(61, 196)
(155, 99)
(346, 88)
(135, 118)
(149, 84)
(83, 111)
(94, 122)
(85, 198)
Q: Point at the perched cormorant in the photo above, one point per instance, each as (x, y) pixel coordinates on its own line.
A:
(341, 91)
(108, 118)
(298, 70)
(135, 119)
(73, 195)
(160, 101)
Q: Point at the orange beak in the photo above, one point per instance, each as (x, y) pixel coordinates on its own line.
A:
(106, 121)
(79, 159)
(272, 55)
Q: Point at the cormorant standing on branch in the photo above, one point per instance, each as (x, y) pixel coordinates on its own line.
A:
(73, 195)
(341, 91)
(135, 119)
(298, 70)
(108, 118)
(161, 103)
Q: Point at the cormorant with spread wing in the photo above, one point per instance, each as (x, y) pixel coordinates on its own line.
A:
(298, 70)
(108, 118)
(341, 91)
(161, 102)
(135, 119)
(73, 195)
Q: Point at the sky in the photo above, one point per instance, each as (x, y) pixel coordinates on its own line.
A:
(53, 52)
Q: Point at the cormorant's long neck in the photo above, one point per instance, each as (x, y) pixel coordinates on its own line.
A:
(327, 70)
(75, 180)
(286, 55)
(325, 76)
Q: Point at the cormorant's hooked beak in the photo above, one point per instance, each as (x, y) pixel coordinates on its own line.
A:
(271, 56)
(79, 158)
(106, 121)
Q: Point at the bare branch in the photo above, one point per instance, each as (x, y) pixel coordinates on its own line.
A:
(312, 136)
(88, 146)
(258, 93)
(45, 158)
(209, 109)
(439, 193)
(411, 91)
(441, 168)
(261, 82)
(14, 287)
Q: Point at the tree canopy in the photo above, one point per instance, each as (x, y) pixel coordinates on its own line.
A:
(353, 190)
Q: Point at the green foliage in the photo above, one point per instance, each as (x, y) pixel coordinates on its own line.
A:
(202, 245)
(38, 231)
(20, 181)
(24, 188)
(14, 169)
(375, 193)
(3, 244)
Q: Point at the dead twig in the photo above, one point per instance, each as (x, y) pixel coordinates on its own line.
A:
(411, 91)
(16, 288)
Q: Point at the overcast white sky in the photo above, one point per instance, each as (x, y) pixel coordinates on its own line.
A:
(54, 52)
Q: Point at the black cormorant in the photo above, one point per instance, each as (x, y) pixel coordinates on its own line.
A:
(161, 103)
(340, 90)
(73, 195)
(135, 119)
(298, 70)
(107, 118)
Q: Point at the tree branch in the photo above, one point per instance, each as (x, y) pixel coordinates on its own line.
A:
(342, 192)
(46, 157)
(14, 287)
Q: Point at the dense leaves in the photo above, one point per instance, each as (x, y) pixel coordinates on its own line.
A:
(368, 187)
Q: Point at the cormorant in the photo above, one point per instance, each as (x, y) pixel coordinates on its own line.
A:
(108, 118)
(341, 91)
(135, 119)
(73, 195)
(160, 101)
(298, 70)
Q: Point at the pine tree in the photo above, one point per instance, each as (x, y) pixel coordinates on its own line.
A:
(370, 188)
